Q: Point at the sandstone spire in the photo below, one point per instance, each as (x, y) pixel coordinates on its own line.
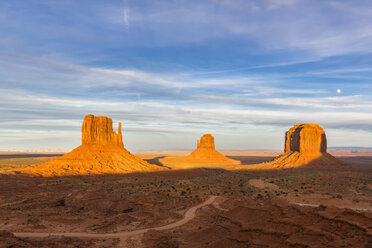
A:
(102, 151)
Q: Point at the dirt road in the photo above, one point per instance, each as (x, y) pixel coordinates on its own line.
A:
(189, 215)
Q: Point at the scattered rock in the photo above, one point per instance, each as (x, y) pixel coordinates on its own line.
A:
(60, 203)
(128, 210)
(6, 234)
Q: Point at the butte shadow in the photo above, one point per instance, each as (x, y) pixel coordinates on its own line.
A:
(204, 155)
(305, 146)
(102, 152)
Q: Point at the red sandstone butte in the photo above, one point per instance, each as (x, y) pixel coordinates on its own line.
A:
(97, 130)
(305, 146)
(306, 138)
(102, 151)
(205, 153)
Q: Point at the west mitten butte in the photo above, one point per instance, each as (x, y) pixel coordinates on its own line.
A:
(102, 151)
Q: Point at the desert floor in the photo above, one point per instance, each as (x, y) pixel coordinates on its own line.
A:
(288, 208)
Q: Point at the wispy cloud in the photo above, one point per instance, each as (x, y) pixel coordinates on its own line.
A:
(275, 4)
(324, 29)
(319, 31)
(126, 18)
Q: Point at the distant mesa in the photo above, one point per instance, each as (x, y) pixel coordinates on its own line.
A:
(305, 146)
(205, 153)
(102, 151)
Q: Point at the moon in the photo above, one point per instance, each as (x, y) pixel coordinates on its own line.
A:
(338, 91)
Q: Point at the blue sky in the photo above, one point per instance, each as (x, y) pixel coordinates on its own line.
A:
(243, 70)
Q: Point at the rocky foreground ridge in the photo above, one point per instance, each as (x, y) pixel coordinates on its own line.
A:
(102, 151)
(205, 153)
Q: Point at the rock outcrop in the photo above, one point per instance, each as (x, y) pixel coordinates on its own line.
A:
(205, 153)
(97, 130)
(102, 151)
(306, 138)
(206, 142)
(305, 146)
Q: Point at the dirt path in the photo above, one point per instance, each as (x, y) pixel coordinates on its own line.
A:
(189, 215)
(317, 205)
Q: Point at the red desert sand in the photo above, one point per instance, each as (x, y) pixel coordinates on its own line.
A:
(102, 151)
(205, 153)
(305, 146)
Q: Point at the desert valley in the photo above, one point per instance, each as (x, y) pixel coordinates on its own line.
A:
(185, 124)
(101, 195)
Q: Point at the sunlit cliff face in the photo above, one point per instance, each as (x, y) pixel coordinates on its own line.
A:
(306, 138)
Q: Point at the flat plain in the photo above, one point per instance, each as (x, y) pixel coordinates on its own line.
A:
(279, 208)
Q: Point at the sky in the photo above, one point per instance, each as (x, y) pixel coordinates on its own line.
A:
(172, 70)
